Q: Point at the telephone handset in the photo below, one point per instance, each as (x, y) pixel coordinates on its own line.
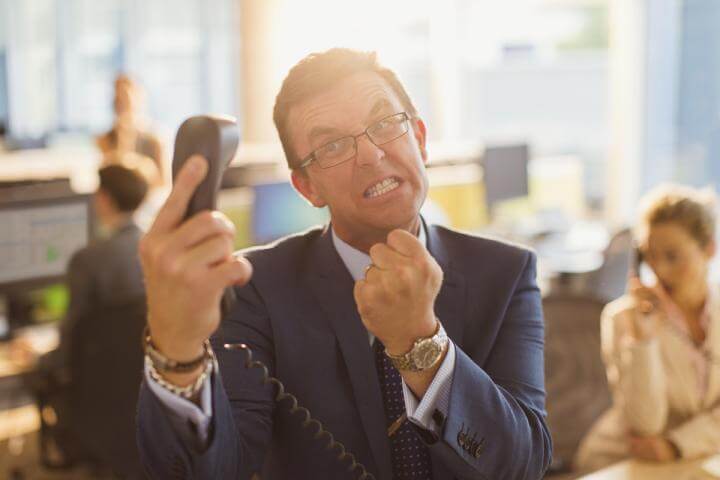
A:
(216, 138)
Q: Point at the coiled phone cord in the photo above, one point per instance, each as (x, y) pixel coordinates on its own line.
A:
(282, 395)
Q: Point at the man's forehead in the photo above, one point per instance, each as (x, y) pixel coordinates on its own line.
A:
(345, 106)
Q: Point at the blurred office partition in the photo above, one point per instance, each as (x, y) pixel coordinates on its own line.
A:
(577, 390)
(106, 371)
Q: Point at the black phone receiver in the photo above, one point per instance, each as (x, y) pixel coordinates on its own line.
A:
(215, 138)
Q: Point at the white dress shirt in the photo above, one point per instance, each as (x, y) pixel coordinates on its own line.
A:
(419, 411)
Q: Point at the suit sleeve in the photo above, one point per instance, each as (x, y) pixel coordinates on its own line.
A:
(495, 427)
(242, 407)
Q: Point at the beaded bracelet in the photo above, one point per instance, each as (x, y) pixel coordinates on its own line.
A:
(188, 392)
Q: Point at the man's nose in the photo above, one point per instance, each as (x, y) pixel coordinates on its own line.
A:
(367, 152)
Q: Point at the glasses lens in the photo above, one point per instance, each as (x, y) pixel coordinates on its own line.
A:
(388, 129)
(335, 152)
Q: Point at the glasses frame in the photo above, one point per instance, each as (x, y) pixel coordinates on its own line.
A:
(313, 158)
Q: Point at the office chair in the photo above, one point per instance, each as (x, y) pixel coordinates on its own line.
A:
(106, 370)
(577, 390)
(609, 282)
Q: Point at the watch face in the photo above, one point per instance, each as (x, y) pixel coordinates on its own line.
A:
(426, 353)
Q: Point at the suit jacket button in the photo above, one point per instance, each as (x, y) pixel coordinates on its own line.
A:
(479, 448)
(461, 437)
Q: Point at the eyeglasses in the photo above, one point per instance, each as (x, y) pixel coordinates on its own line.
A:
(343, 149)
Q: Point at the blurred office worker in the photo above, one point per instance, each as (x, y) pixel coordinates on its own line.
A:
(660, 341)
(108, 271)
(129, 132)
(100, 277)
(417, 347)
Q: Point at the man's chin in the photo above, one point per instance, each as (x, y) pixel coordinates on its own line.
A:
(405, 221)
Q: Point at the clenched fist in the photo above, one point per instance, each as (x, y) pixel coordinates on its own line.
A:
(397, 297)
(187, 265)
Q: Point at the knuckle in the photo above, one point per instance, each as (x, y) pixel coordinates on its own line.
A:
(395, 234)
(421, 265)
(206, 220)
(437, 271)
(168, 265)
(404, 275)
(224, 222)
(375, 250)
(229, 245)
(154, 256)
(237, 270)
(222, 247)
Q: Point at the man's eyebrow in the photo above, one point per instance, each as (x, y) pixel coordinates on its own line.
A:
(381, 104)
(320, 131)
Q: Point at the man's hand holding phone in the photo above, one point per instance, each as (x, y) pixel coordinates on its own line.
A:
(187, 265)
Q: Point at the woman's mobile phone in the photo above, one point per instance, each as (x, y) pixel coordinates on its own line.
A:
(637, 261)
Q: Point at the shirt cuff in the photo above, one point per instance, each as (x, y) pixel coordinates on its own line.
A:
(436, 399)
(187, 418)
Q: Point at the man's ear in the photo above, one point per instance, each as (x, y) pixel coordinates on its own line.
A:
(303, 183)
(103, 201)
(420, 132)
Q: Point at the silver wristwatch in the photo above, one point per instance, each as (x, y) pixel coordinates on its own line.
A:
(424, 354)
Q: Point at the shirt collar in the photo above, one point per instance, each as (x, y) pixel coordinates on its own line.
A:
(355, 260)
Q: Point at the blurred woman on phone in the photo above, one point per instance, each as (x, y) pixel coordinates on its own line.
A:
(661, 341)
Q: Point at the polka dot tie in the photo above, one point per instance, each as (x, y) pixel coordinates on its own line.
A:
(410, 456)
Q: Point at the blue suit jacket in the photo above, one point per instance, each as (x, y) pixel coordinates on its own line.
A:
(299, 317)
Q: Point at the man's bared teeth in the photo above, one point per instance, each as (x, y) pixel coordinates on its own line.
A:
(381, 188)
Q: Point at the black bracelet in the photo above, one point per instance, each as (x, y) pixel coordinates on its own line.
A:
(164, 364)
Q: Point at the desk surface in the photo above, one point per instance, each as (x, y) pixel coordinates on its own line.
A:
(704, 469)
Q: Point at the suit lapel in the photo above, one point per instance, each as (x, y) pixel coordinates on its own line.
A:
(449, 308)
(451, 300)
(333, 288)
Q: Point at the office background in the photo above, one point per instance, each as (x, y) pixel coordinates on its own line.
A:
(547, 120)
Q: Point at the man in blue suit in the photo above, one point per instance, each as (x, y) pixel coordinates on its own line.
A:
(419, 348)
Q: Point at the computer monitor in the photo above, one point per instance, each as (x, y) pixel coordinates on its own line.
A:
(278, 210)
(505, 173)
(38, 237)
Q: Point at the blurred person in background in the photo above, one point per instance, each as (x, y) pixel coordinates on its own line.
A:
(129, 132)
(157, 192)
(661, 341)
(105, 273)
